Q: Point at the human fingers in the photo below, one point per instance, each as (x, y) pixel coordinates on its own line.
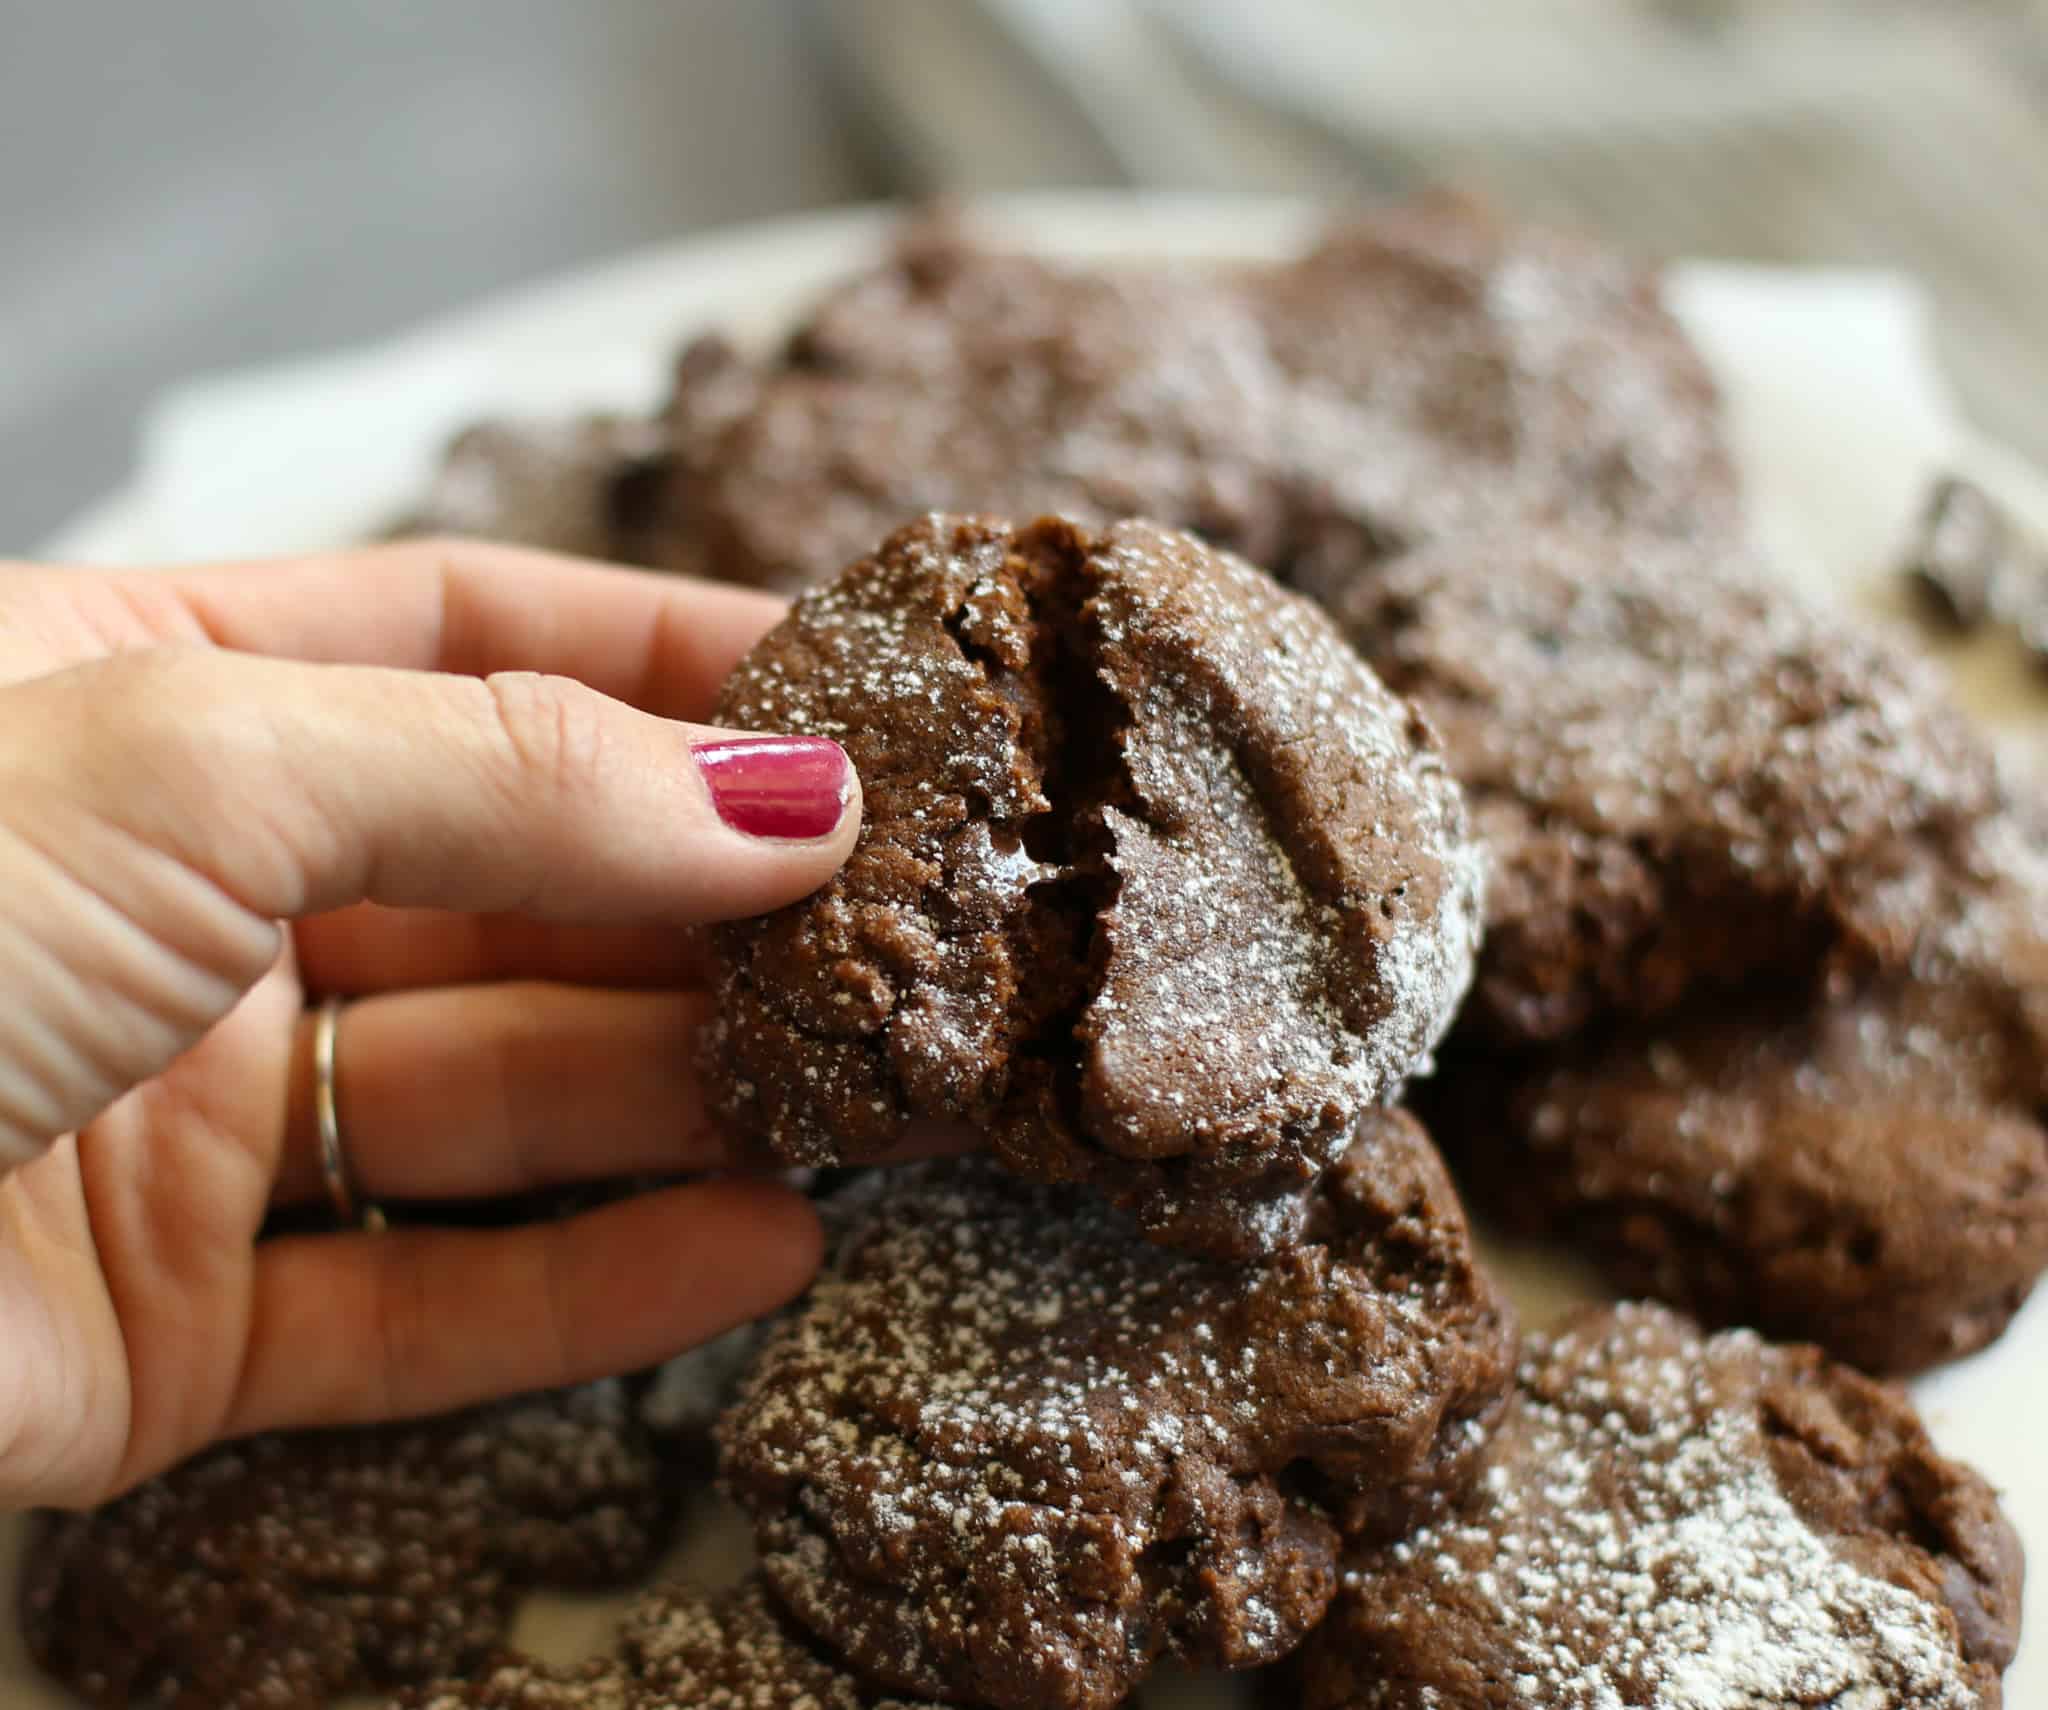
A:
(367, 948)
(362, 1327)
(159, 811)
(301, 788)
(483, 1091)
(659, 642)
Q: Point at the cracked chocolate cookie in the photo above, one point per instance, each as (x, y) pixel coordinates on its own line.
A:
(281, 1572)
(1426, 369)
(1860, 1162)
(1157, 887)
(1009, 1455)
(1670, 1520)
(1684, 775)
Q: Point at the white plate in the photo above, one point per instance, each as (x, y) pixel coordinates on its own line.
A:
(1836, 411)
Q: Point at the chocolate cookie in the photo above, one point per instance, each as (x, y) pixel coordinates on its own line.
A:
(514, 1682)
(1861, 1162)
(1009, 1455)
(1425, 369)
(1492, 373)
(679, 1650)
(1668, 1520)
(280, 1572)
(1682, 773)
(1157, 886)
(736, 1652)
(583, 485)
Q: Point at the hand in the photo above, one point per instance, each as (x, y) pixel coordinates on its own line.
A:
(224, 789)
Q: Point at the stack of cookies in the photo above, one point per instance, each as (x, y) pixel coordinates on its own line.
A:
(1506, 807)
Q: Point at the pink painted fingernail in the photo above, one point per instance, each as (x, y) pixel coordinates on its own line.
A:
(790, 787)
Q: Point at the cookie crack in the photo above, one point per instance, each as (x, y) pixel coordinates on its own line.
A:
(1073, 726)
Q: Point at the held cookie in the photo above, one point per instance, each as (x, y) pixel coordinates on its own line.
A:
(281, 1572)
(1862, 1163)
(1010, 1455)
(1157, 887)
(1683, 775)
(1424, 369)
(1669, 1520)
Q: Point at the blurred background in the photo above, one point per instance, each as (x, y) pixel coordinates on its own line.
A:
(219, 182)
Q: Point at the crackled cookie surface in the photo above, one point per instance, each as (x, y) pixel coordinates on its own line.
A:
(1157, 886)
(1859, 1161)
(1010, 1455)
(1424, 369)
(281, 1572)
(1684, 776)
(1673, 1520)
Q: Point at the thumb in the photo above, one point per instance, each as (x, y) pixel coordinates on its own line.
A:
(299, 788)
(160, 811)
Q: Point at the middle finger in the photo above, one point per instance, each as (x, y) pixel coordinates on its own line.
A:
(371, 948)
(483, 1091)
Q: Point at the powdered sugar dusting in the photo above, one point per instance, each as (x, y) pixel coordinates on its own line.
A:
(1681, 769)
(736, 1652)
(1298, 908)
(1006, 1442)
(1632, 1546)
(1426, 370)
(1159, 886)
(346, 1557)
(679, 1650)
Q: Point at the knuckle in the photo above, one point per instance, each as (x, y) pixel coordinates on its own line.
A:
(553, 729)
(117, 738)
(194, 752)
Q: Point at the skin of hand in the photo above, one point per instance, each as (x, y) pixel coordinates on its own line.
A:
(460, 786)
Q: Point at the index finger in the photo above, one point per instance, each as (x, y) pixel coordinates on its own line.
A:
(663, 643)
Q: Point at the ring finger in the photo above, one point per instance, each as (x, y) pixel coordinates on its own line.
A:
(479, 1091)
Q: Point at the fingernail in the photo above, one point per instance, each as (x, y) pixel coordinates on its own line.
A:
(790, 787)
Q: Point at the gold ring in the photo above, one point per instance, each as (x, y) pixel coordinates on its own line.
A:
(334, 1171)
